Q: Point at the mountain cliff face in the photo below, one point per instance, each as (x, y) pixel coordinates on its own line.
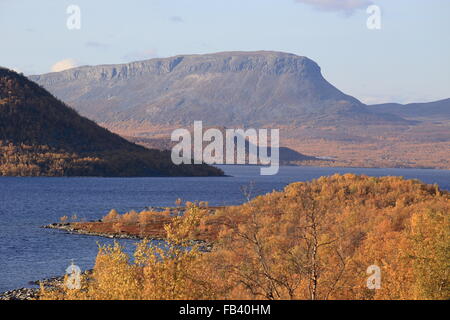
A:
(39, 135)
(226, 89)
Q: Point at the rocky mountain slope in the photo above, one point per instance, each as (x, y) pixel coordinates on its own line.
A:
(149, 99)
(226, 89)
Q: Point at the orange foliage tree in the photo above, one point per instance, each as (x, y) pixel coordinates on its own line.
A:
(313, 240)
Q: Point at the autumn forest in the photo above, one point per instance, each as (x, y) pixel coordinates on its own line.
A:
(313, 240)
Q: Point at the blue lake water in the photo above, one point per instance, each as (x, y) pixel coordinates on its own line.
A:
(28, 252)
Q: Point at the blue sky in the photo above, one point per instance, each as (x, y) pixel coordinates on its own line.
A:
(407, 60)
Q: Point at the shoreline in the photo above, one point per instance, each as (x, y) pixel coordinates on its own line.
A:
(70, 229)
(26, 293)
(29, 293)
(311, 165)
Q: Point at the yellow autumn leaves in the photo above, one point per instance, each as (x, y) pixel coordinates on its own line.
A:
(313, 240)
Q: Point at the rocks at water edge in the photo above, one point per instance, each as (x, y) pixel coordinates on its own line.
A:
(20, 294)
(32, 293)
(68, 227)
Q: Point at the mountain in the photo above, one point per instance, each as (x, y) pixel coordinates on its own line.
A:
(436, 110)
(226, 89)
(149, 99)
(40, 135)
(287, 156)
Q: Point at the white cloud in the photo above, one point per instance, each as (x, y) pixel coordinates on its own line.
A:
(345, 6)
(63, 65)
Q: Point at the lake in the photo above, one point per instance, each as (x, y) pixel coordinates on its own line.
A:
(28, 252)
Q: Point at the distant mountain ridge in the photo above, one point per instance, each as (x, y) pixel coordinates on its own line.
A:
(226, 89)
(436, 110)
(40, 135)
(287, 156)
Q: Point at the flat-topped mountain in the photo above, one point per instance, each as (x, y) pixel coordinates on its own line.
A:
(149, 99)
(40, 135)
(226, 89)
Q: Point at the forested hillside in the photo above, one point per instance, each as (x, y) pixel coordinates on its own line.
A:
(313, 240)
(40, 135)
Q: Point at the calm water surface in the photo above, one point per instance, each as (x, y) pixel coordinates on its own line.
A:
(28, 252)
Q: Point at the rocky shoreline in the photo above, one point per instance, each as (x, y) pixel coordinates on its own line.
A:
(32, 293)
(21, 294)
(69, 228)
